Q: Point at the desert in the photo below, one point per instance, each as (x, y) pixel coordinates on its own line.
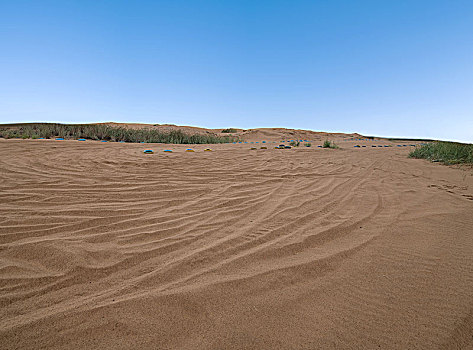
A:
(105, 247)
(236, 175)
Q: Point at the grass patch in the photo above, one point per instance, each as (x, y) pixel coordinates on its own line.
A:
(108, 133)
(329, 144)
(229, 131)
(445, 152)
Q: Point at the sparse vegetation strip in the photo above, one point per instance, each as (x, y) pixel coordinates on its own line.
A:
(445, 152)
(108, 133)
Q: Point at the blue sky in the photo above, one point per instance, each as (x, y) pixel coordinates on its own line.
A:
(389, 68)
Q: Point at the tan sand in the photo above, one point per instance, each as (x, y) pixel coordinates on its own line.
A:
(104, 247)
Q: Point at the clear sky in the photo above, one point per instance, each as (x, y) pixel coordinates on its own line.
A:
(378, 67)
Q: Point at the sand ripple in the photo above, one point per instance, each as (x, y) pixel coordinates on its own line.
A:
(105, 247)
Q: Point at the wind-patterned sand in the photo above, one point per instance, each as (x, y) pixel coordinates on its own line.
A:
(103, 247)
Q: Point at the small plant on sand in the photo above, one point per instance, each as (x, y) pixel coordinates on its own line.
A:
(229, 131)
(295, 143)
(329, 144)
(445, 152)
(308, 144)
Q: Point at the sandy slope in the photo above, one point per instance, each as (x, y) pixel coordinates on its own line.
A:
(103, 247)
(258, 134)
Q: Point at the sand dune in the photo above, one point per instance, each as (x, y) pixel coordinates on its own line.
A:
(104, 247)
(258, 134)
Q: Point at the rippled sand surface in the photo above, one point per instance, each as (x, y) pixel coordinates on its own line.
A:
(104, 247)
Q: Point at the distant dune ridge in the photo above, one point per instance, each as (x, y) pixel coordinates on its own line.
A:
(242, 134)
(105, 247)
(247, 134)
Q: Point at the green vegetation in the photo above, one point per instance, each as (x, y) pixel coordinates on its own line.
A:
(229, 131)
(445, 152)
(329, 144)
(308, 144)
(295, 143)
(108, 133)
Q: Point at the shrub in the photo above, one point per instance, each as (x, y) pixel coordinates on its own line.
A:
(229, 131)
(295, 143)
(329, 144)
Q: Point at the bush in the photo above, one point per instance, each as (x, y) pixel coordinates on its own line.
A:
(329, 144)
(308, 144)
(108, 133)
(445, 152)
(229, 131)
(295, 143)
